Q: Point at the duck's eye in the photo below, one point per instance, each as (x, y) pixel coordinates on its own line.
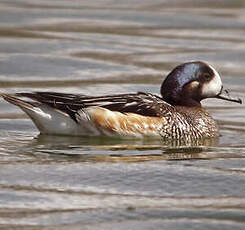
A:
(206, 76)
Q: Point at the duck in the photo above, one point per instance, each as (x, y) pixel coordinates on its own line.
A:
(176, 113)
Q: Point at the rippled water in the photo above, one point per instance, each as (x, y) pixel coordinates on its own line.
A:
(51, 182)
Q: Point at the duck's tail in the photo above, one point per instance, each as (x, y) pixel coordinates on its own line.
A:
(18, 102)
(46, 119)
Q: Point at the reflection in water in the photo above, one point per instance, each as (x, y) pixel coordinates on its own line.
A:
(56, 182)
(114, 149)
(145, 143)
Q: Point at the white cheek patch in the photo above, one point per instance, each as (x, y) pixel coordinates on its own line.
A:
(213, 87)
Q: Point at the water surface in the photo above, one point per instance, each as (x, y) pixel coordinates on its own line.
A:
(52, 182)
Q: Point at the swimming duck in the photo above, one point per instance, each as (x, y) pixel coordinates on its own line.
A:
(176, 114)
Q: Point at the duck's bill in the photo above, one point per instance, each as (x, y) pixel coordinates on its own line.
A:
(224, 95)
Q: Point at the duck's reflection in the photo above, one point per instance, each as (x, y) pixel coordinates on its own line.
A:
(130, 150)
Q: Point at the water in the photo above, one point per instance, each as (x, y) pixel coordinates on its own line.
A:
(51, 182)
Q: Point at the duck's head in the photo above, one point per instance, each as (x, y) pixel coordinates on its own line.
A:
(191, 82)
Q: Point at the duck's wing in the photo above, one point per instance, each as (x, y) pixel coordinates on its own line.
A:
(139, 103)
